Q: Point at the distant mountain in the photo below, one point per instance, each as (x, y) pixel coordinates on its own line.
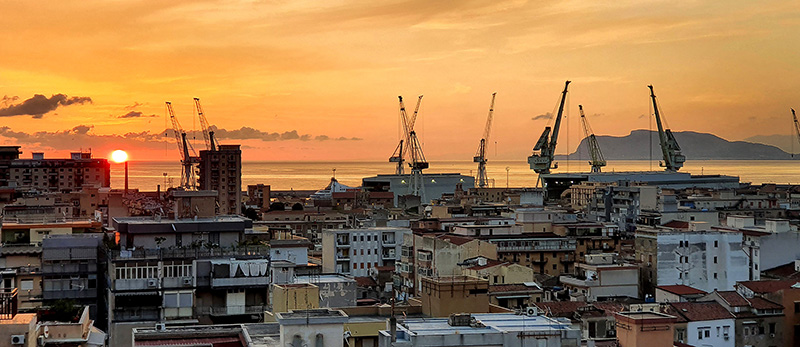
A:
(694, 145)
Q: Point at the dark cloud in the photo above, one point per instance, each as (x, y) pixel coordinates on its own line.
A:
(136, 114)
(135, 105)
(248, 133)
(547, 115)
(7, 100)
(39, 104)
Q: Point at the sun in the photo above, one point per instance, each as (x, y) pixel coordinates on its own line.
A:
(119, 156)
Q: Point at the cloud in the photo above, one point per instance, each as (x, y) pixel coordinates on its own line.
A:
(248, 133)
(135, 105)
(135, 114)
(39, 104)
(548, 115)
(6, 100)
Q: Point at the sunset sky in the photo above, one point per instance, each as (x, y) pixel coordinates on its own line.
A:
(319, 80)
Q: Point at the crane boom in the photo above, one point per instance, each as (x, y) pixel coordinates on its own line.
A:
(542, 162)
(480, 157)
(670, 150)
(597, 161)
(207, 133)
(796, 126)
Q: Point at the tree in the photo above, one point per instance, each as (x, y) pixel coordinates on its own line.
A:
(251, 213)
(277, 206)
(297, 207)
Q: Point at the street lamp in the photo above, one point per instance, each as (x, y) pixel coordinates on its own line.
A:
(119, 156)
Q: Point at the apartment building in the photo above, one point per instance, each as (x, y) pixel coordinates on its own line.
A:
(221, 170)
(703, 259)
(601, 277)
(703, 324)
(759, 322)
(183, 270)
(59, 174)
(72, 267)
(784, 292)
(546, 253)
(356, 251)
(308, 224)
(258, 196)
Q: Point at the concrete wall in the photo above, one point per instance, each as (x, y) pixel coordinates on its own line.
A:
(331, 335)
(700, 270)
(713, 339)
(778, 249)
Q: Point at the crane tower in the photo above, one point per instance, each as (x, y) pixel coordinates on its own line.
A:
(480, 157)
(597, 161)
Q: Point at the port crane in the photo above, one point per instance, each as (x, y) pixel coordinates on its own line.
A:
(670, 150)
(796, 127)
(542, 162)
(480, 156)
(597, 161)
(188, 178)
(418, 162)
(401, 152)
(208, 134)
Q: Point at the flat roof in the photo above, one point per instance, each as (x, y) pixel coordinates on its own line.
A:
(493, 323)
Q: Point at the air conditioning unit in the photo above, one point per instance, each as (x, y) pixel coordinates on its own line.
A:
(532, 311)
(187, 281)
(771, 335)
(152, 282)
(161, 327)
(17, 339)
(40, 340)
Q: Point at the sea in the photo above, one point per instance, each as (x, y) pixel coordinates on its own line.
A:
(302, 175)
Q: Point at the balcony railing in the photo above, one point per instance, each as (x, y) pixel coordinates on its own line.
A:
(239, 281)
(69, 294)
(229, 310)
(190, 253)
(131, 314)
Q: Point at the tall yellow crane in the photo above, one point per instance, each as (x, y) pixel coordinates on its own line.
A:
(597, 161)
(480, 156)
(208, 134)
(188, 178)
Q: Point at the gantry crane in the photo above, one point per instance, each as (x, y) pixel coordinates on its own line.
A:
(208, 134)
(670, 150)
(597, 161)
(401, 152)
(480, 157)
(796, 127)
(188, 179)
(542, 162)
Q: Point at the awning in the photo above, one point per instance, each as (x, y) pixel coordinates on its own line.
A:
(513, 297)
(136, 293)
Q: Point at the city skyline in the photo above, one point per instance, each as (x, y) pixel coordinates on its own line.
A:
(309, 81)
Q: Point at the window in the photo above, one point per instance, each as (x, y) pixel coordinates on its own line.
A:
(715, 275)
(715, 260)
(26, 285)
(797, 307)
(707, 333)
(761, 330)
(716, 243)
(771, 328)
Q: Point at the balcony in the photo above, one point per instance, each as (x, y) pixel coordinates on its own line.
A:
(240, 281)
(189, 253)
(389, 254)
(69, 294)
(343, 241)
(67, 268)
(231, 310)
(567, 258)
(133, 314)
(343, 255)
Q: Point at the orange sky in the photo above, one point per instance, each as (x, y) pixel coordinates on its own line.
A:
(335, 68)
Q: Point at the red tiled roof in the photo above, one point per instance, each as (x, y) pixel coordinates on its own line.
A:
(680, 289)
(365, 281)
(489, 263)
(760, 303)
(699, 311)
(785, 271)
(733, 298)
(768, 286)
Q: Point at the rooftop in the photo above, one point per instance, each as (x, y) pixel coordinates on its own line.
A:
(698, 311)
(769, 286)
(680, 289)
(497, 323)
